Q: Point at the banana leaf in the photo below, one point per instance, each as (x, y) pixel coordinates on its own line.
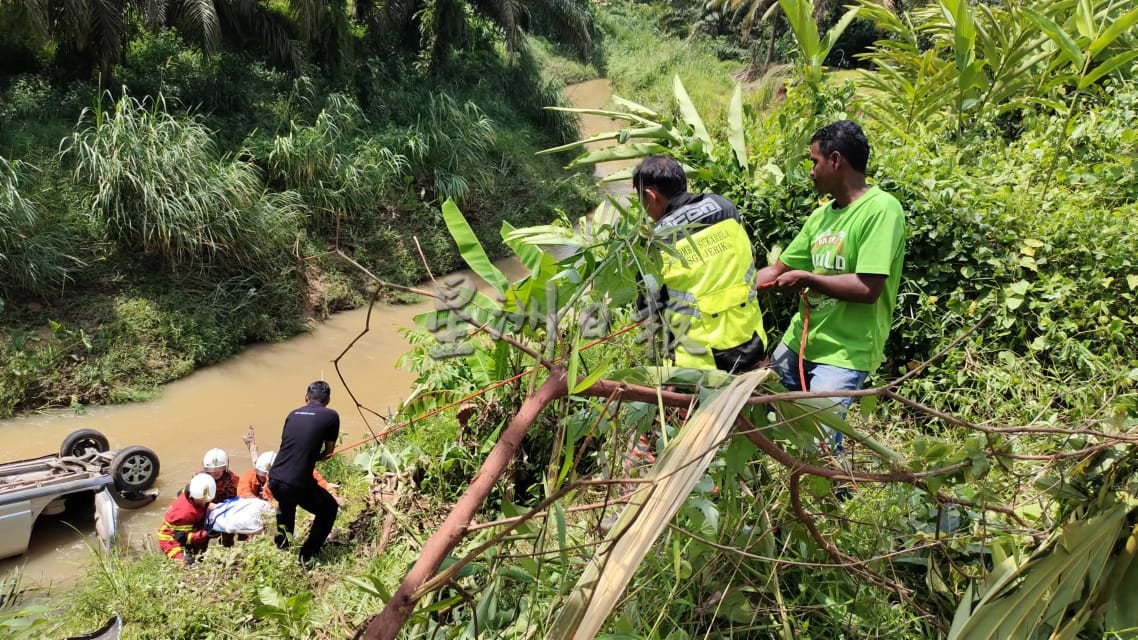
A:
(629, 151)
(634, 107)
(691, 116)
(735, 132)
(471, 249)
(1065, 571)
(657, 132)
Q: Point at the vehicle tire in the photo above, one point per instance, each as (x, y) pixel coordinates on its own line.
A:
(134, 469)
(77, 443)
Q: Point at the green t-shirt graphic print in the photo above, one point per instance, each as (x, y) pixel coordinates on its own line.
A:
(865, 237)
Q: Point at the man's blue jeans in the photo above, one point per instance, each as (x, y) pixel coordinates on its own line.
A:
(821, 377)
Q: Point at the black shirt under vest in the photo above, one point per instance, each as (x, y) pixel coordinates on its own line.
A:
(302, 442)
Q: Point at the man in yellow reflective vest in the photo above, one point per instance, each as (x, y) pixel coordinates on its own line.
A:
(707, 298)
(712, 318)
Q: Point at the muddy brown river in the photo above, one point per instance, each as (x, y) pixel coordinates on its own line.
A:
(214, 406)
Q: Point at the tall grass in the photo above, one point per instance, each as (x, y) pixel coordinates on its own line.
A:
(161, 190)
(450, 148)
(34, 253)
(336, 168)
(641, 60)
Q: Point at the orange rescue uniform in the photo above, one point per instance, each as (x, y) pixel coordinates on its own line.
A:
(187, 517)
(226, 487)
(252, 486)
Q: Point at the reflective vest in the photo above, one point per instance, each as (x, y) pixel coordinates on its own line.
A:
(711, 298)
(186, 517)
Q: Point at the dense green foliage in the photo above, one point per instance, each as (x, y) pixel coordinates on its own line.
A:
(1016, 212)
(193, 207)
(1022, 524)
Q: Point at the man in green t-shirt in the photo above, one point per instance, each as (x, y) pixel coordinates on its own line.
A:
(847, 259)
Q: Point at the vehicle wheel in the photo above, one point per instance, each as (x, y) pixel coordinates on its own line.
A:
(134, 469)
(78, 443)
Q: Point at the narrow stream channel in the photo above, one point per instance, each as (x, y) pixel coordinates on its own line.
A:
(213, 407)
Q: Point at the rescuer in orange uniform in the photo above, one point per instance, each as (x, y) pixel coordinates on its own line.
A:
(216, 464)
(183, 531)
(254, 483)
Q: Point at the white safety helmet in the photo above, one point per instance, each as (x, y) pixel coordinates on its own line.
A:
(215, 459)
(265, 461)
(203, 487)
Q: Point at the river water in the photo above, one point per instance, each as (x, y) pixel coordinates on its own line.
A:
(214, 406)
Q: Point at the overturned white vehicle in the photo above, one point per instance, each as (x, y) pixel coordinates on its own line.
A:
(84, 469)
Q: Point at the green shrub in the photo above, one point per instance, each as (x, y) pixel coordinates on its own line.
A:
(338, 171)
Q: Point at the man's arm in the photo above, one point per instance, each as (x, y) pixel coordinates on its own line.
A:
(329, 449)
(768, 275)
(851, 287)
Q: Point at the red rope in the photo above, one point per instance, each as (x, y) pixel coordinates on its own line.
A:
(802, 342)
(500, 383)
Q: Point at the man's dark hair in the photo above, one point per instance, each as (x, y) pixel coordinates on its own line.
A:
(662, 174)
(319, 391)
(847, 138)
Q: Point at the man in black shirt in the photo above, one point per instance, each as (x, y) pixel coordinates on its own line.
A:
(310, 434)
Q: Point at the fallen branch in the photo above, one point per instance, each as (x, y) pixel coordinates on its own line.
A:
(387, 624)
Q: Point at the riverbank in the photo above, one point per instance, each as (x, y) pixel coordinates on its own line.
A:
(122, 289)
(99, 318)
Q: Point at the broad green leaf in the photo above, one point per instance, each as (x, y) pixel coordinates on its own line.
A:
(659, 132)
(834, 34)
(616, 115)
(574, 362)
(1085, 19)
(471, 249)
(1020, 287)
(800, 15)
(1057, 35)
(964, 37)
(481, 309)
(634, 107)
(370, 585)
(619, 152)
(812, 413)
(1122, 609)
(662, 376)
(1108, 66)
(618, 176)
(691, 116)
(545, 234)
(1036, 595)
(597, 373)
(735, 132)
(529, 255)
(1116, 29)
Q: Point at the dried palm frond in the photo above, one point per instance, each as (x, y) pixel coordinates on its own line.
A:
(650, 509)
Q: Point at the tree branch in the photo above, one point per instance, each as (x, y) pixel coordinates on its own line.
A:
(387, 624)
